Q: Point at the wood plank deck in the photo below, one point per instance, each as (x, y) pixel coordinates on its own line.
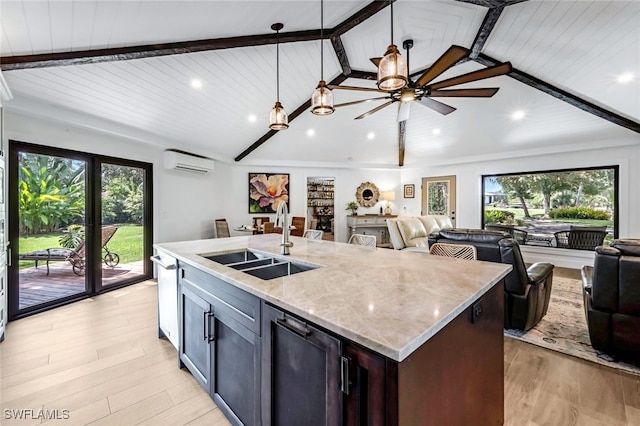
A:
(37, 287)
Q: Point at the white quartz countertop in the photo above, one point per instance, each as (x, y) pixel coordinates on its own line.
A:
(389, 301)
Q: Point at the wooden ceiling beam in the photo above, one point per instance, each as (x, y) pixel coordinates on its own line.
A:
(564, 96)
(488, 24)
(359, 17)
(492, 3)
(338, 47)
(93, 56)
(305, 106)
(10, 63)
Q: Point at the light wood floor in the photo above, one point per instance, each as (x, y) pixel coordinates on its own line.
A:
(101, 360)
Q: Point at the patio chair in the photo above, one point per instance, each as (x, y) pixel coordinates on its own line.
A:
(581, 237)
(520, 235)
(75, 256)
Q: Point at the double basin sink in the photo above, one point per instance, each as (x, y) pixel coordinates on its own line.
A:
(265, 266)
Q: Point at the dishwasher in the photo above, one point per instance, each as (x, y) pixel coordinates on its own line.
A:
(167, 273)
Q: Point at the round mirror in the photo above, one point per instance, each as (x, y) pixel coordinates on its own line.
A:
(367, 194)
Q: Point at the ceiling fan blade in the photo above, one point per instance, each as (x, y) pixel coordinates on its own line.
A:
(403, 111)
(376, 109)
(362, 89)
(469, 93)
(437, 106)
(402, 130)
(443, 63)
(360, 101)
(474, 76)
(376, 61)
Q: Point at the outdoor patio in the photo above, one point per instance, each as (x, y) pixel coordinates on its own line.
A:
(37, 287)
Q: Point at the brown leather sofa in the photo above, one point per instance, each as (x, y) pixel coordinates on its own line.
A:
(611, 291)
(526, 290)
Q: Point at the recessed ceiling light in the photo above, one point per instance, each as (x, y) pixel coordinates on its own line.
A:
(311, 132)
(518, 115)
(252, 118)
(436, 131)
(627, 77)
(196, 84)
(371, 135)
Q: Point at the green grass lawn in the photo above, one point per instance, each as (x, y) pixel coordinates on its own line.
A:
(538, 213)
(126, 242)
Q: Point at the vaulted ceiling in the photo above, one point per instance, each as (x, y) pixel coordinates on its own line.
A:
(129, 65)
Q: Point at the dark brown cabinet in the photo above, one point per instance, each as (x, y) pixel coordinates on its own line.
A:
(370, 398)
(265, 366)
(301, 372)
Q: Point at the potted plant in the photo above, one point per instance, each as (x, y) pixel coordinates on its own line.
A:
(353, 206)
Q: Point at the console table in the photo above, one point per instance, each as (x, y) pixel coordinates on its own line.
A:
(371, 225)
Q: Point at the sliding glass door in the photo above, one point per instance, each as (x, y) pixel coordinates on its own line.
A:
(79, 224)
(122, 247)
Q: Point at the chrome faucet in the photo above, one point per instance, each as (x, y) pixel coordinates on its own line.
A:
(282, 217)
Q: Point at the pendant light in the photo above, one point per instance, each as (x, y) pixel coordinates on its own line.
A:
(392, 69)
(322, 97)
(278, 119)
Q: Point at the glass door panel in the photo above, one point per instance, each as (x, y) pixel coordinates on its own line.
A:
(122, 226)
(51, 222)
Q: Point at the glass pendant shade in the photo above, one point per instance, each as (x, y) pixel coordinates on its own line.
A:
(322, 100)
(392, 70)
(278, 119)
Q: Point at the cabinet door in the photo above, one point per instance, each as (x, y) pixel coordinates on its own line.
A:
(371, 398)
(236, 370)
(195, 348)
(300, 372)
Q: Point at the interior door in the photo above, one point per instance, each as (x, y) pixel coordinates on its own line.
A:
(439, 196)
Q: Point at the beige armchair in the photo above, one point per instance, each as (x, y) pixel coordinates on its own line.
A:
(411, 233)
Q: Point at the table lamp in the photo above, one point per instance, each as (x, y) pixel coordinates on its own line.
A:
(388, 196)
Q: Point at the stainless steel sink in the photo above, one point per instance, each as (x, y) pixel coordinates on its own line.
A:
(261, 265)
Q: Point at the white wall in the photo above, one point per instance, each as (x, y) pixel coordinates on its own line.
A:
(236, 191)
(469, 187)
(186, 204)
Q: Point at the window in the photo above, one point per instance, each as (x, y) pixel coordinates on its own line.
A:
(567, 209)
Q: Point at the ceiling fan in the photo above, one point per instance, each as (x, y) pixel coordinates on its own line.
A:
(422, 91)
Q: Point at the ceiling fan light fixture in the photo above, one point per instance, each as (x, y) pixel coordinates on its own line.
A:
(322, 100)
(392, 71)
(278, 119)
(407, 95)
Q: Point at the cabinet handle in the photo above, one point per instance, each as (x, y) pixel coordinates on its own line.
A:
(301, 330)
(344, 375)
(212, 327)
(205, 327)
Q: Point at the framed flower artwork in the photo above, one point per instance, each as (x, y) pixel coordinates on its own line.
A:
(266, 191)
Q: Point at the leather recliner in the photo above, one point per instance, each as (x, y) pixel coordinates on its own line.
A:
(611, 291)
(526, 291)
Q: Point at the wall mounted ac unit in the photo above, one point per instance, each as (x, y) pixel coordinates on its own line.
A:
(179, 160)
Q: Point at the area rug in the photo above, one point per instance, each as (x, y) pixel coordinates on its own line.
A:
(564, 328)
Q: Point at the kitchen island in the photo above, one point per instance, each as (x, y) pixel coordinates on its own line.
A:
(417, 339)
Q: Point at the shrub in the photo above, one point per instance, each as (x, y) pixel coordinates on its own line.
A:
(579, 213)
(72, 236)
(499, 216)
